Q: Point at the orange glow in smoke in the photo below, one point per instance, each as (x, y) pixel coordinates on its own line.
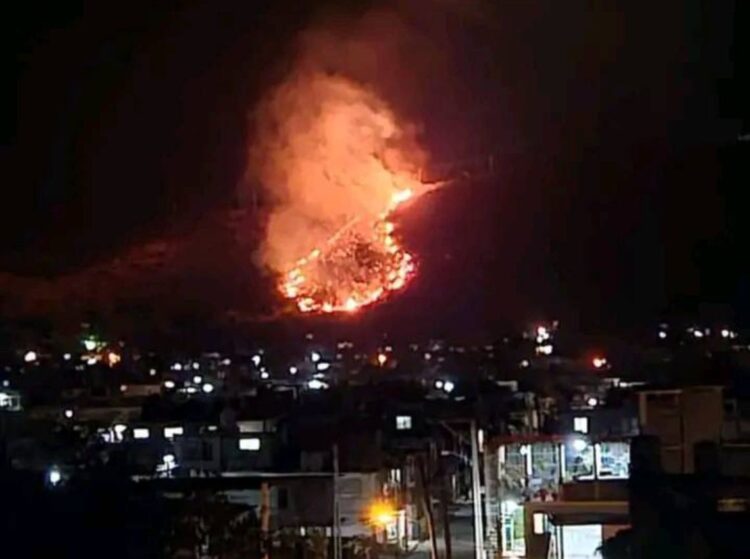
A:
(337, 163)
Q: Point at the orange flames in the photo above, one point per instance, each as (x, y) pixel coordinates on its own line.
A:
(357, 267)
(337, 164)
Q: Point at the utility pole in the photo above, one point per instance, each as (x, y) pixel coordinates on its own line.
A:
(444, 510)
(476, 494)
(427, 502)
(336, 507)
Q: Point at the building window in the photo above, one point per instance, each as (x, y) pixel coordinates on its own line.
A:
(140, 433)
(250, 443)
(581, 424)
(539, 522)
(171, 432)
(512, 525)
(403, 422)
(613, 460)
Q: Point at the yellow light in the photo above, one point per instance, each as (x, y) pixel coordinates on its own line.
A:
(382, 513)
(113, 358)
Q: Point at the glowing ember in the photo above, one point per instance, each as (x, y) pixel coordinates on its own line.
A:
(358, 266)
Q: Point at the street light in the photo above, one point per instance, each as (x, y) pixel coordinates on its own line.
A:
(382, 513)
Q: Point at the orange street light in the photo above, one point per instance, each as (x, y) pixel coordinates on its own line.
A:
(382, 513)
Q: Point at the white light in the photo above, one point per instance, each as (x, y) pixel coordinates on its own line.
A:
(66, 356)
(264, 375)
(208, 388)
(197, 379)
(439, 384)
(152, 372)
(196, 365)
(169, 384)
(448, 386)
(662, 335)
(599, 362)
(171, 432)
(510, 506)
(123, 388)
(323, 366)
(177, 367)
(403, 422)
(54, 476)
(581, 424)
(316, 384)
(141, 433)
(30, 356)
(90, 345)
(252, 443)
(255, 359)
(120, 429)
(191, 390)
(592, 402)
(69, 414)
(524, 450)
(544, 349)
(91, 361)
(292, 370)
(169, 462)
(697, 333)
(579, 445)
(226, 362)
(725, 333)
(524, 363)
(315, 356)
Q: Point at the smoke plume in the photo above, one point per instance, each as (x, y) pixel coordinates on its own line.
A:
(328, 149)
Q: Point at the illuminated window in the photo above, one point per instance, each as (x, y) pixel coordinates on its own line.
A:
(539, 522)
(581, 424)
(403, 422)
(171, 432)
(251, 443)
(140, 433)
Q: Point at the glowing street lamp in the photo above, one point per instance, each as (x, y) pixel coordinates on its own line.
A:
(382, 358)
(382, 513)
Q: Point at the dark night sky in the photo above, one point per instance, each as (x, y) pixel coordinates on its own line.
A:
(617, 201)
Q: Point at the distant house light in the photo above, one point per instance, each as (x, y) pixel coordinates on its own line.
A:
(141, 433)
(171, 432)
(439, 384)
(169, 384)
(599, 362)
(403, 422)
(292, 370)
(30, 356)
(196, 365)
(69, 414)
(66, 356)
(152, 372)
(323, 366)
(448, 386)
(54, 476)
(315, 356)
(250, 443)
(208, 388)
(89, 344)
(592, 402)
(264, 375)
(197, 379)
(316, 384)
(177, 367)
(581, 424)
(255, 359)
(662, 335)
(226, 362)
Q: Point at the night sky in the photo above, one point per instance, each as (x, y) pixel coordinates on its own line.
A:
(615, 125)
